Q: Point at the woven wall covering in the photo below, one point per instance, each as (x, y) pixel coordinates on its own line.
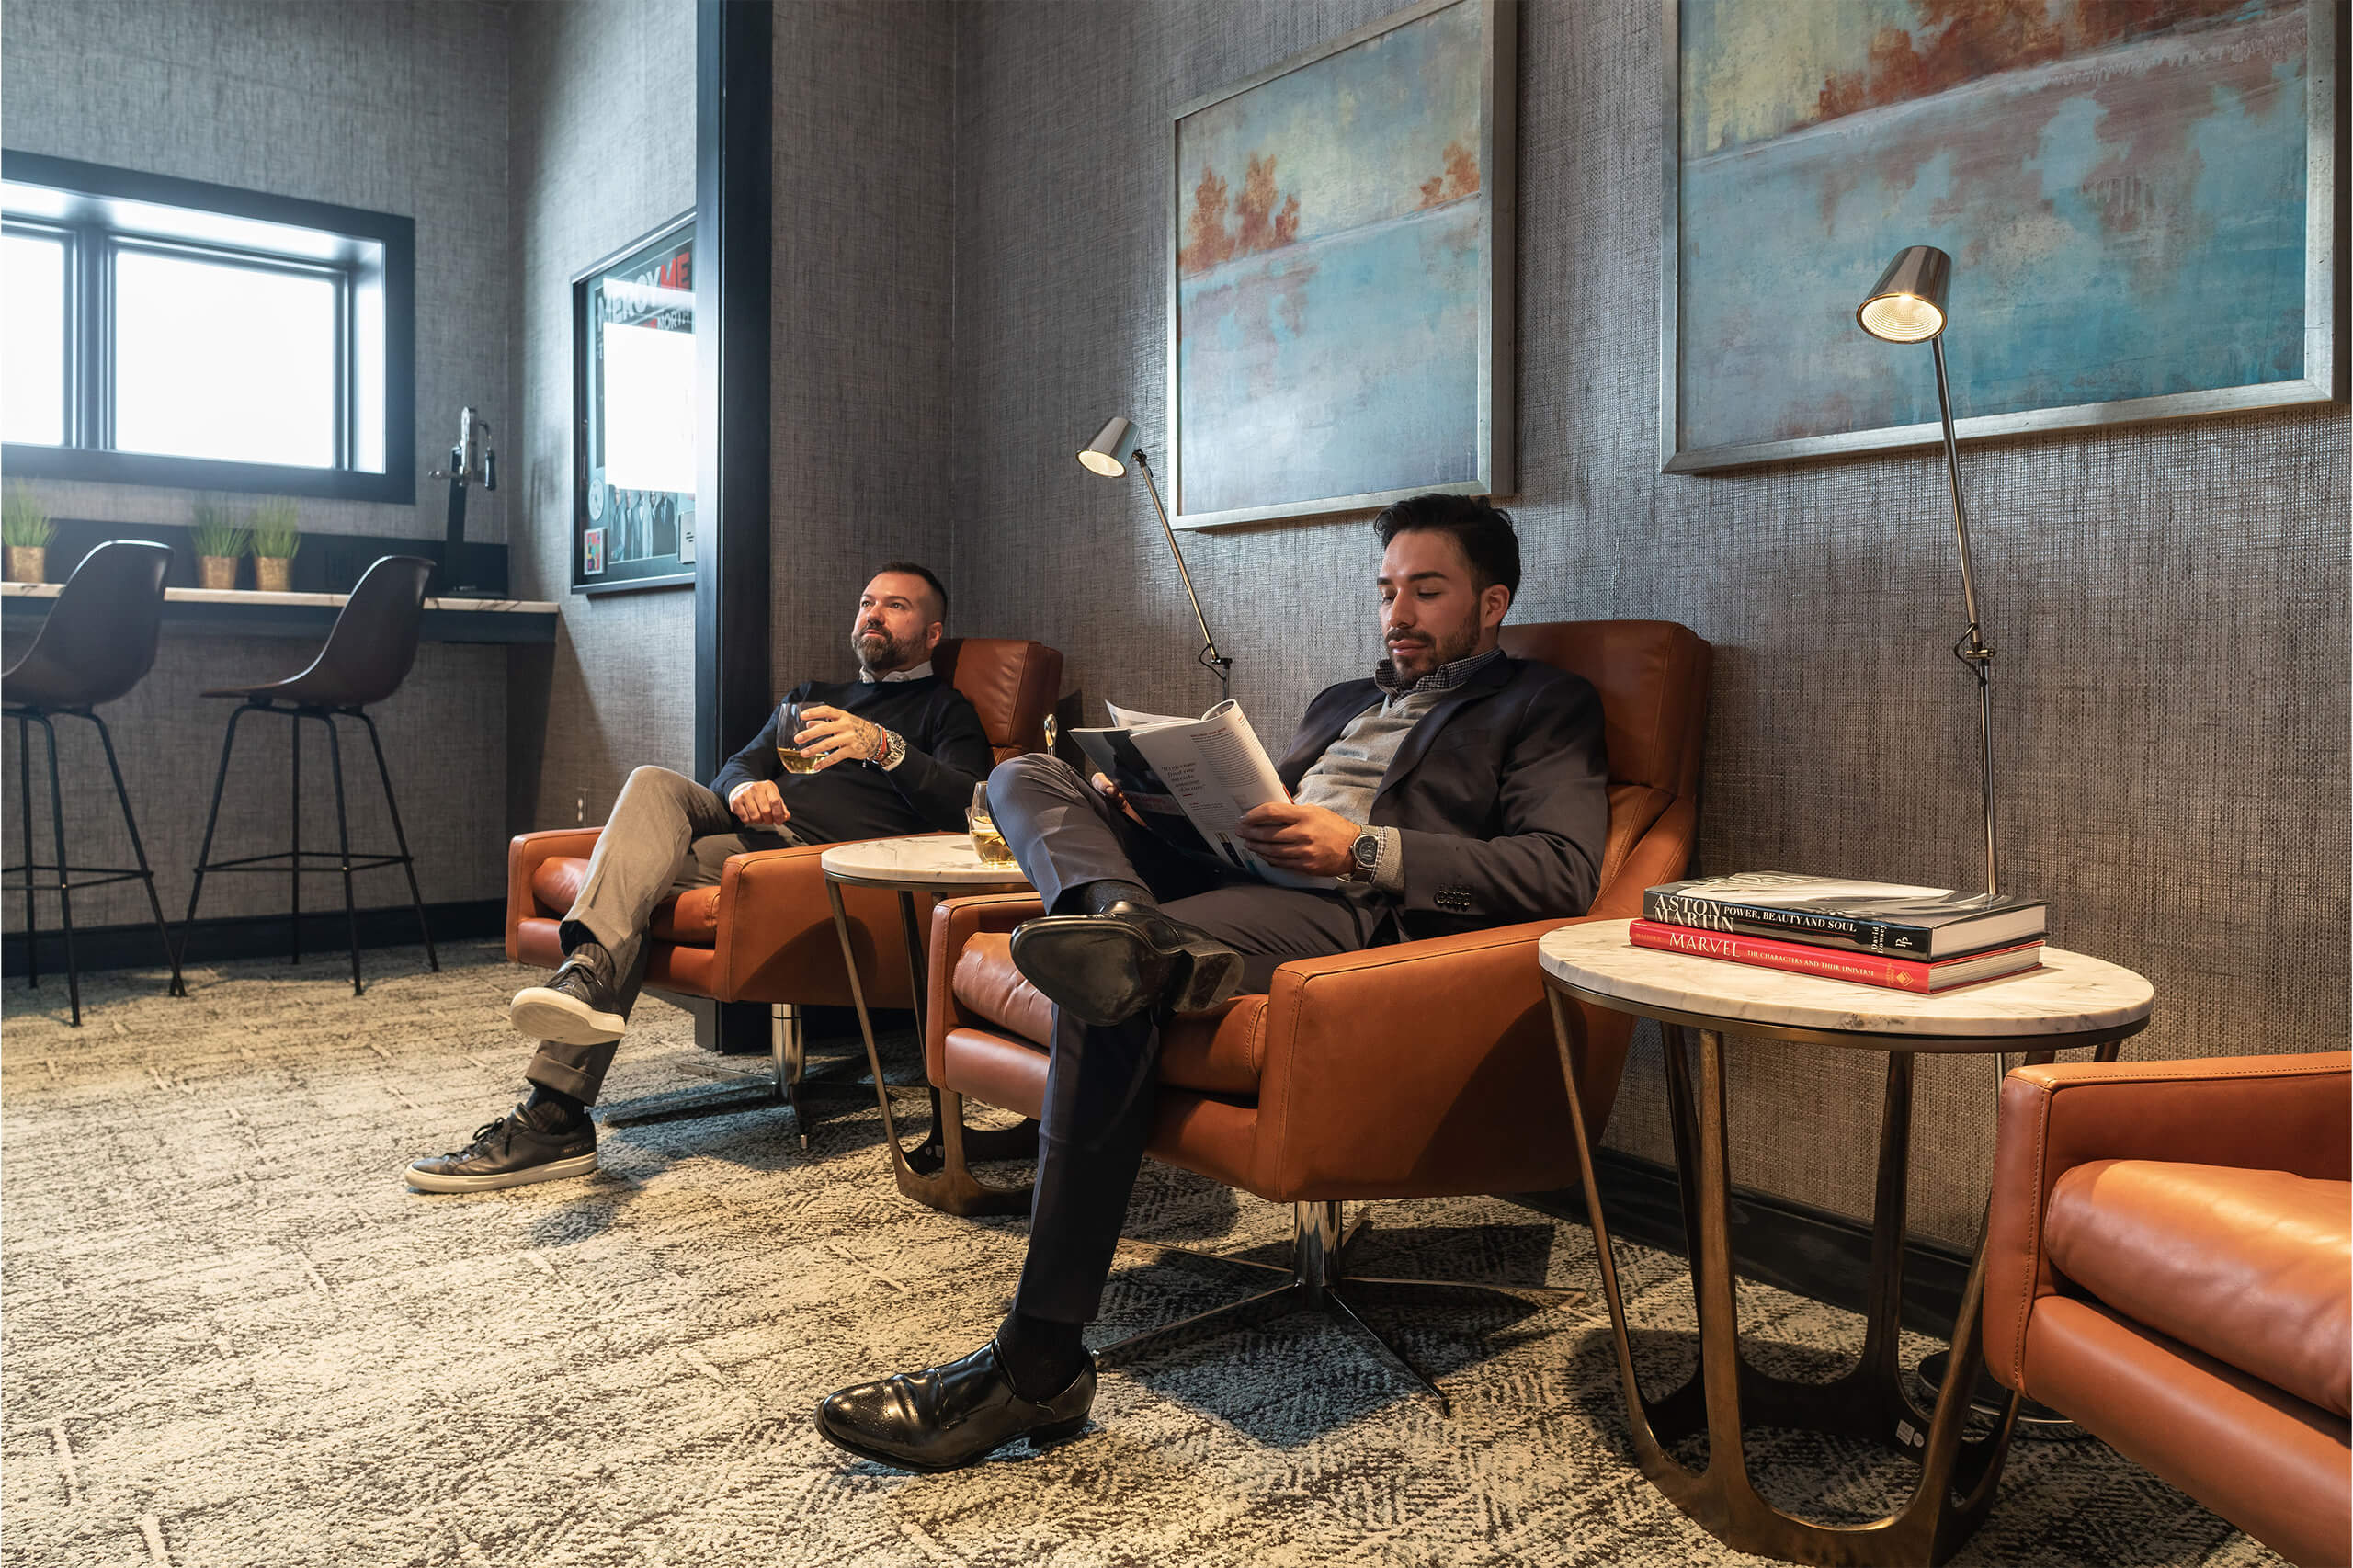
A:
(2169, 602)
(602, 150)
(392, 108)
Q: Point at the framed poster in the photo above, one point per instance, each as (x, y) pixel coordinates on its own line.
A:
(1340, 252)
(633, 407)
(2140, 203)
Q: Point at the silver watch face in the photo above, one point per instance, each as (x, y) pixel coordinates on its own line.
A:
(1368, 850)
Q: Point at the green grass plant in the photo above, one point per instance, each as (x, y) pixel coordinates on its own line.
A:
(24, 521)
(276, 538)
(218, 532)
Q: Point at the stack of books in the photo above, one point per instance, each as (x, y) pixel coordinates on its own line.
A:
(1924, 940)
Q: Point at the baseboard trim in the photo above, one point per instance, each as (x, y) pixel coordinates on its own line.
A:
(1814, 1252)
(325, 935)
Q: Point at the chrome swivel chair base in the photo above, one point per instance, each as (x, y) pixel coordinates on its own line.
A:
(1316, 1280)
(786, 1083)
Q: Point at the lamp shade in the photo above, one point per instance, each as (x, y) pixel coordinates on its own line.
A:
(1102, 454)
(1907, 304)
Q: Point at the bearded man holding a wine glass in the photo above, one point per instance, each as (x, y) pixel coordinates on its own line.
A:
(895, 750)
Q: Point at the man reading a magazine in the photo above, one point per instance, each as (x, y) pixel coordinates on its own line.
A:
(1456, 787)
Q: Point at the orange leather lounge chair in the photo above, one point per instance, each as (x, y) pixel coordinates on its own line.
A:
(2168, 1265)
(1423, 1069)
(764, 934)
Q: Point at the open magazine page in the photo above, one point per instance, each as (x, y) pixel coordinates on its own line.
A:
(1218, 770)
(1136, 719)
(1191, 780)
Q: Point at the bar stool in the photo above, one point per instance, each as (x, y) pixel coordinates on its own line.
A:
(367, 654)
(98, 642)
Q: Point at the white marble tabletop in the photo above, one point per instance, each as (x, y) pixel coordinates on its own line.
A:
(928, 861)
(2069, 995)
(256, 597)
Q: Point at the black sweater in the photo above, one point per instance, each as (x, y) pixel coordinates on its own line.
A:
(947, 753)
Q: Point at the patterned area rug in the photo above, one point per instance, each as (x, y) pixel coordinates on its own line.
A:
(232, 1337)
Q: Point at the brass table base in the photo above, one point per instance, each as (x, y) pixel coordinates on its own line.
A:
(1958, 1476)
(936, 1170)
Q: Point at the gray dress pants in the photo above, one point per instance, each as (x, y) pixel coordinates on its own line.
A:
(667, 834)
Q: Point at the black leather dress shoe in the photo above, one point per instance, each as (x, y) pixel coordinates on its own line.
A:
(1109, 967)
(946, 1417)
(580, 1005)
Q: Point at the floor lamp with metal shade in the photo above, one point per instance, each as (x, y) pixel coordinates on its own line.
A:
(1907, 306)
(1102, 456)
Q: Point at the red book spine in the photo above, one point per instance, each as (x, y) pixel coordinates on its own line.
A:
(1831, 963)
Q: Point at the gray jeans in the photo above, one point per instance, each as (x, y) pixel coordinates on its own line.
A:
(667, 834)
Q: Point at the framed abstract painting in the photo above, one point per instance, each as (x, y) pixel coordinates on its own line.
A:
(2141, 202)
(1340, 274)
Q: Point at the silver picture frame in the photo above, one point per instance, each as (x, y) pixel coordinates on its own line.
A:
(2325, 377)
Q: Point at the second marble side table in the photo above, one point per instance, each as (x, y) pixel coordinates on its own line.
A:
(936, 1170)
(2072, 1001)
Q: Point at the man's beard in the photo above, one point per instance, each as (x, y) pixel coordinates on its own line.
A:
(878, 652)
(1443, 651)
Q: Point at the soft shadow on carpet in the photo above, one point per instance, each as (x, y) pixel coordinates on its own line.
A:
(232, 1337)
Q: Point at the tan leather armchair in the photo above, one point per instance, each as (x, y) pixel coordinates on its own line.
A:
(1422, 1069)
(2169, 1264)
(764, 934)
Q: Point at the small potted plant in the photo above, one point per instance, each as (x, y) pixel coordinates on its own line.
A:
(27, 532)
(219, 540)
(276, 539)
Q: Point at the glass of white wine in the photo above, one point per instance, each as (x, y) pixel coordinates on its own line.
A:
(789, 723)
(987, 842)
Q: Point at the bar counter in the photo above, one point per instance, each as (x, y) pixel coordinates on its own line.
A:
(245, 613)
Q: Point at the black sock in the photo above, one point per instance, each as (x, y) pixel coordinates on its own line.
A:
(552, 1110)
(1095, 898)
(576, 940)
(1041, 1356)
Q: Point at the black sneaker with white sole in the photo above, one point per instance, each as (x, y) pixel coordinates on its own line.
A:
(510, 1152)
(580, 1004)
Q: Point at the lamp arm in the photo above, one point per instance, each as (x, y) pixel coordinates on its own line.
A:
(1971, 649)
(1216, 661)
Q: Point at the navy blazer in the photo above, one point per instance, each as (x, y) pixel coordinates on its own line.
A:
(1500, 795)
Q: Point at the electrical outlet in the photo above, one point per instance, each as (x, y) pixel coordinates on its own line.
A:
(580, 810)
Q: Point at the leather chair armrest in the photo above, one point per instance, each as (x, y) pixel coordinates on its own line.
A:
(954, 922)
(1357, 1088)
(2258, 1112)
(526, 853)
(768, 899)
(1663, 855)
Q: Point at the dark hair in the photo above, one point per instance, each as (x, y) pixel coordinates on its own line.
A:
(1482, 530)
(914, 569)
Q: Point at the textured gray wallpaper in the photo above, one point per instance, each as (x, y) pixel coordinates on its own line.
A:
(2169, 603)
(602, 149)
(395, 107)
(861, 317)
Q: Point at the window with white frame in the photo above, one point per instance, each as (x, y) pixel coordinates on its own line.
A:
(167, 332)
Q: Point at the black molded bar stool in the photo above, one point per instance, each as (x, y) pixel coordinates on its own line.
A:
(367, 654)
(98, 642)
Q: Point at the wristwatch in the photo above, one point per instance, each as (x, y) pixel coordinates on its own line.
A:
(1364, 855)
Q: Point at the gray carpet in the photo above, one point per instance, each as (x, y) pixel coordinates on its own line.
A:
(232, 1337)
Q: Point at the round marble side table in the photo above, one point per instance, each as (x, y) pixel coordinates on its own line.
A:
(2070, 1001)
(936, 1170)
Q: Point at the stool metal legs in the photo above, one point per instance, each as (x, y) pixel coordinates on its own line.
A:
(297, 858)
(408, 863)
(71, 877)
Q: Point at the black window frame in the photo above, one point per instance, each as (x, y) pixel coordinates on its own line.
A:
(90, 329)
